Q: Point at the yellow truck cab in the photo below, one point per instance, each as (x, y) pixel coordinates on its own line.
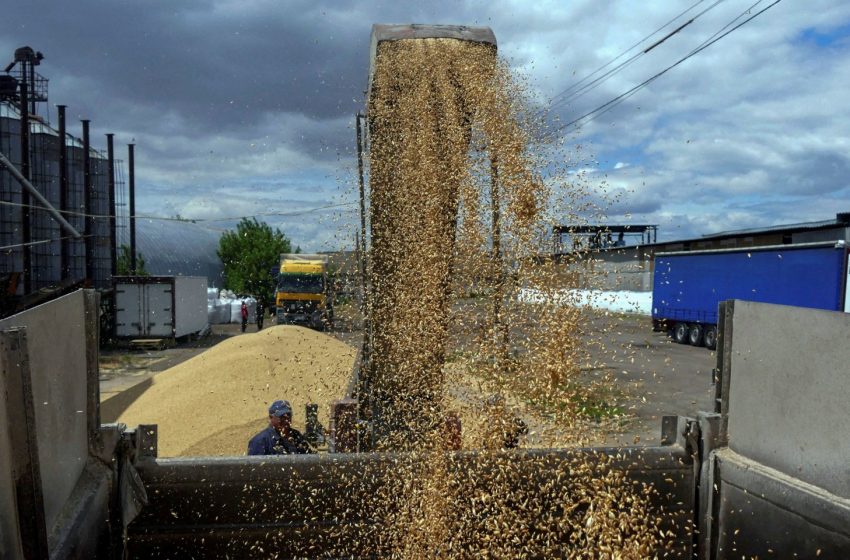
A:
(303, 295)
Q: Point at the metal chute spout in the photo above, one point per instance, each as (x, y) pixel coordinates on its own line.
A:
(396, 32)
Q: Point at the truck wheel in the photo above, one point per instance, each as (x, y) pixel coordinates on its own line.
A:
(680, 333)
(695, 334)
(710, 337)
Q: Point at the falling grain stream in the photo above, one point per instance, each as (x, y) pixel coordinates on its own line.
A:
(457, 210)
(449, 147)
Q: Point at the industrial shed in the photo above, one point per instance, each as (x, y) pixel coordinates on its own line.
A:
(630, 266)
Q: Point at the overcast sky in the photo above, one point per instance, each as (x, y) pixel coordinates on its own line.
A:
(245, 107)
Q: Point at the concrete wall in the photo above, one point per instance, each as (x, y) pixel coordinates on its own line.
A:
(613, 269)
(789, 389)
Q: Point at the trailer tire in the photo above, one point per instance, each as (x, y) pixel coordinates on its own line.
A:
(695, 334)
(680, 333)
(710, 337)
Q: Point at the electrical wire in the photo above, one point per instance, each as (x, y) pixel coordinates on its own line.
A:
(621, 55)
(583, 89)
(607, 106)
(176, 219)
(43, 241)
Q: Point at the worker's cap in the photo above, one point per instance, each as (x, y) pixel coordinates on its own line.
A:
(280, 408)
(495, 400)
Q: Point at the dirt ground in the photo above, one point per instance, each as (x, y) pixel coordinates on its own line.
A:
(653, 376)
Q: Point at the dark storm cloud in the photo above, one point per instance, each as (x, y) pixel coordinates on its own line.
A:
(218, 67)
(223, 95)
(204, 67)
(218, 64)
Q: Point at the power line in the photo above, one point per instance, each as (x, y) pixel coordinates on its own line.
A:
(43, 242)
(176, 219)
(622, 54)
(578, 90)
(605, 107)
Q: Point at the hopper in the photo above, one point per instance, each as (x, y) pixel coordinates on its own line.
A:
(396, 32)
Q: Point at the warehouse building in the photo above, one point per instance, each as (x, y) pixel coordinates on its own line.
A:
(629, 265)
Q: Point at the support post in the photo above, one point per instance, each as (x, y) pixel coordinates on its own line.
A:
(500, 334)
(87, 188)
(65, 250)
(113, 248)
(26, 226)
(131, 159)
(362, 210)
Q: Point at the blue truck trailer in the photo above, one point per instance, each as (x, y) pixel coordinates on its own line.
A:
(688, 285)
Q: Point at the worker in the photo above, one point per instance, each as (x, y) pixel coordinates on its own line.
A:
(504, 427)
(260, 312)
(280, 438)
(244, 312)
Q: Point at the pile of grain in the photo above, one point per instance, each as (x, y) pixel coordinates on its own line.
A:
(212, 404)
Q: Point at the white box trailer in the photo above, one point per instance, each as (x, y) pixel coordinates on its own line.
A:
(160, 306)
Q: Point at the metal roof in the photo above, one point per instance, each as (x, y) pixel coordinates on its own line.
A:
(177, 248)
(842, 219)
(9, 111)
(823, 224)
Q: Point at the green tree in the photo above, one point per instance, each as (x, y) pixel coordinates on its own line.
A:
(124, 266)
(249, 256)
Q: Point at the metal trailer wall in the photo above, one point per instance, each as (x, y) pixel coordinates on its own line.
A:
(689, 286)
(160, 306)
(10, 538)
(782, 486)
(329, 505)
(49, 433)
(190, 305)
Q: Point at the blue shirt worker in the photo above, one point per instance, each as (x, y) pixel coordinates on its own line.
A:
(280, 438)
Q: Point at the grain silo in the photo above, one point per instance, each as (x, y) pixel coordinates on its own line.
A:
(57, 197)
(46, 231)
(11, 255)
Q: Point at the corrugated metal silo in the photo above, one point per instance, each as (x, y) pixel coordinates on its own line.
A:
(101, 210)
(46, 232)
(76, 208)
(11, 254)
